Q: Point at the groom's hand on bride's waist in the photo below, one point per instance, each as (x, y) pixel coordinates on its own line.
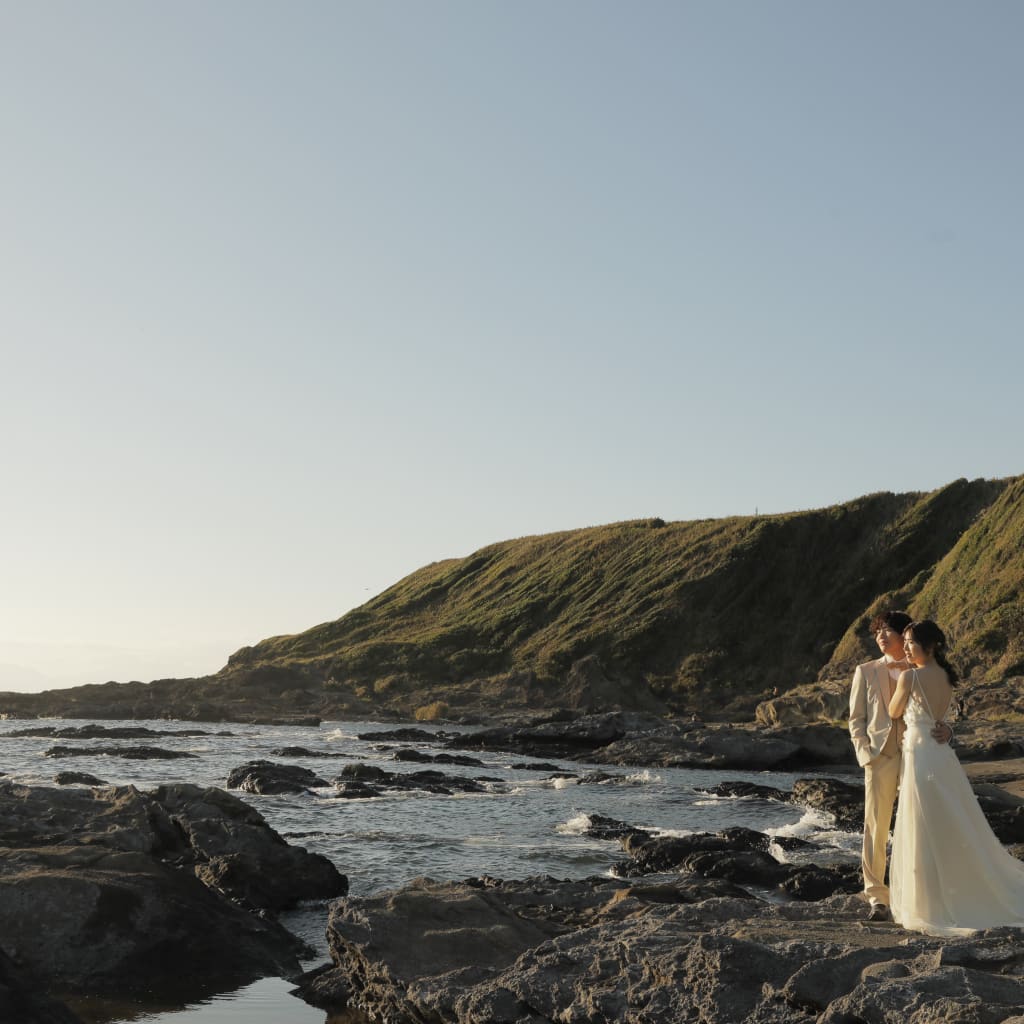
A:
(941, 732)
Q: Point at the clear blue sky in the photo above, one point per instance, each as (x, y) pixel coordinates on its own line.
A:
(300, 297)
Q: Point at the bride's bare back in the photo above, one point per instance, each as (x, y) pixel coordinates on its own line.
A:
(934, 683)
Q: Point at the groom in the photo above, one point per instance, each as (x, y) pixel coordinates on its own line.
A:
(876, 741)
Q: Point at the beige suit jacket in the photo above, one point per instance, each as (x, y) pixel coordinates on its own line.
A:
(870, 723)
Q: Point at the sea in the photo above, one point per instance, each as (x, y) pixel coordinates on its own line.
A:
(529, 821)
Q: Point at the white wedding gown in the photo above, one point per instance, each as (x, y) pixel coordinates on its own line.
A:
(948, 873)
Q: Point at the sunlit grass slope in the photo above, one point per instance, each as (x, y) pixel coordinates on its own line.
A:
(724, 606)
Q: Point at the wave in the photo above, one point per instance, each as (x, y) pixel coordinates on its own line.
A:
(575, 826)
(812, 821)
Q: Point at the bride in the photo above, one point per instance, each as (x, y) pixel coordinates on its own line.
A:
(949, 874)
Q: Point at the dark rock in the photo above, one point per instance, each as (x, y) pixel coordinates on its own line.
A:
(814, 882)
(407, 754)
(697, 745)
(362, 773)
(95, 732)
(667, 853)
(267, 777)
(305, 752)
(461, 759)
(21, 1002)
(598, 778)
(372, 781)
(298, 721)
(742, 856)
(1004, 811)
(132, 753)
(355, 791)
(234, 851)
(843, 800)
(407, 734)
(600, 827)
(689, 949)
(746, 791)
(573, 738)
(122, 922)
(534, 766)
(749, 867)
(117, 878)
(77, 779)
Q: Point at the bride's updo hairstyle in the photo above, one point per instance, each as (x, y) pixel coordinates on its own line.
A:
(933, 640)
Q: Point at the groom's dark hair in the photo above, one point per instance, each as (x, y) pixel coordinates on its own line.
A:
(896, 621)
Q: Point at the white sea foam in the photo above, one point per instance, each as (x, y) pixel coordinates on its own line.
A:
(813, 821)
(340, 734)
(710, 799)
(564, 783)
(575, 826)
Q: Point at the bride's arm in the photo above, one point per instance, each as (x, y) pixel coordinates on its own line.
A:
(901, 695)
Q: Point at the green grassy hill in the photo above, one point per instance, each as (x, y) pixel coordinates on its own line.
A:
(678, 616)
(719, 608)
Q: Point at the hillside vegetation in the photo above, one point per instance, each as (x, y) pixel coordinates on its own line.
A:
(674, 616)
(714, 607)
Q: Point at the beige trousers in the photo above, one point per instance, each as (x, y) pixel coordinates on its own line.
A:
(881, 781)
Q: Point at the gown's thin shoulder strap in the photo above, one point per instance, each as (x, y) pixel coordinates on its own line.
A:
(924, 696)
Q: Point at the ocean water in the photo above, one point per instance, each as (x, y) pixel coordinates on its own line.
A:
(525, 823)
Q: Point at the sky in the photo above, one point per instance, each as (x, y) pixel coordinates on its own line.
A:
(297, 298)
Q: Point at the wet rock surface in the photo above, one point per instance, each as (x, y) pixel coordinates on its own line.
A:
(148, 894)
(419, 757)
(269, 777)
(648, 740)
(306, 752)
(112, 732)
(77, 779)
(21, 1001)
(131, 753)
(682, 948)
(360, 781)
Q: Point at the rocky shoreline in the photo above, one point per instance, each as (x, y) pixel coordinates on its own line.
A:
(674, 948)
(147, 895)
(174, 893)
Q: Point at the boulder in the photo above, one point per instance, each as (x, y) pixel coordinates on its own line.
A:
(96, 920)
(811, 703)
(844, 801)
(22, 1002)
(363, 780)
(306, 752)
(111, 732)
(234, 851)
(739, 855)
(269, 777)
(131, 753)
(77, 779)
(112, 890)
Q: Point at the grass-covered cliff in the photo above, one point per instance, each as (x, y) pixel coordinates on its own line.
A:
(647, 613)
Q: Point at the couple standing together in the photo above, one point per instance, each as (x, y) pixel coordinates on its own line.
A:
(948, 873)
